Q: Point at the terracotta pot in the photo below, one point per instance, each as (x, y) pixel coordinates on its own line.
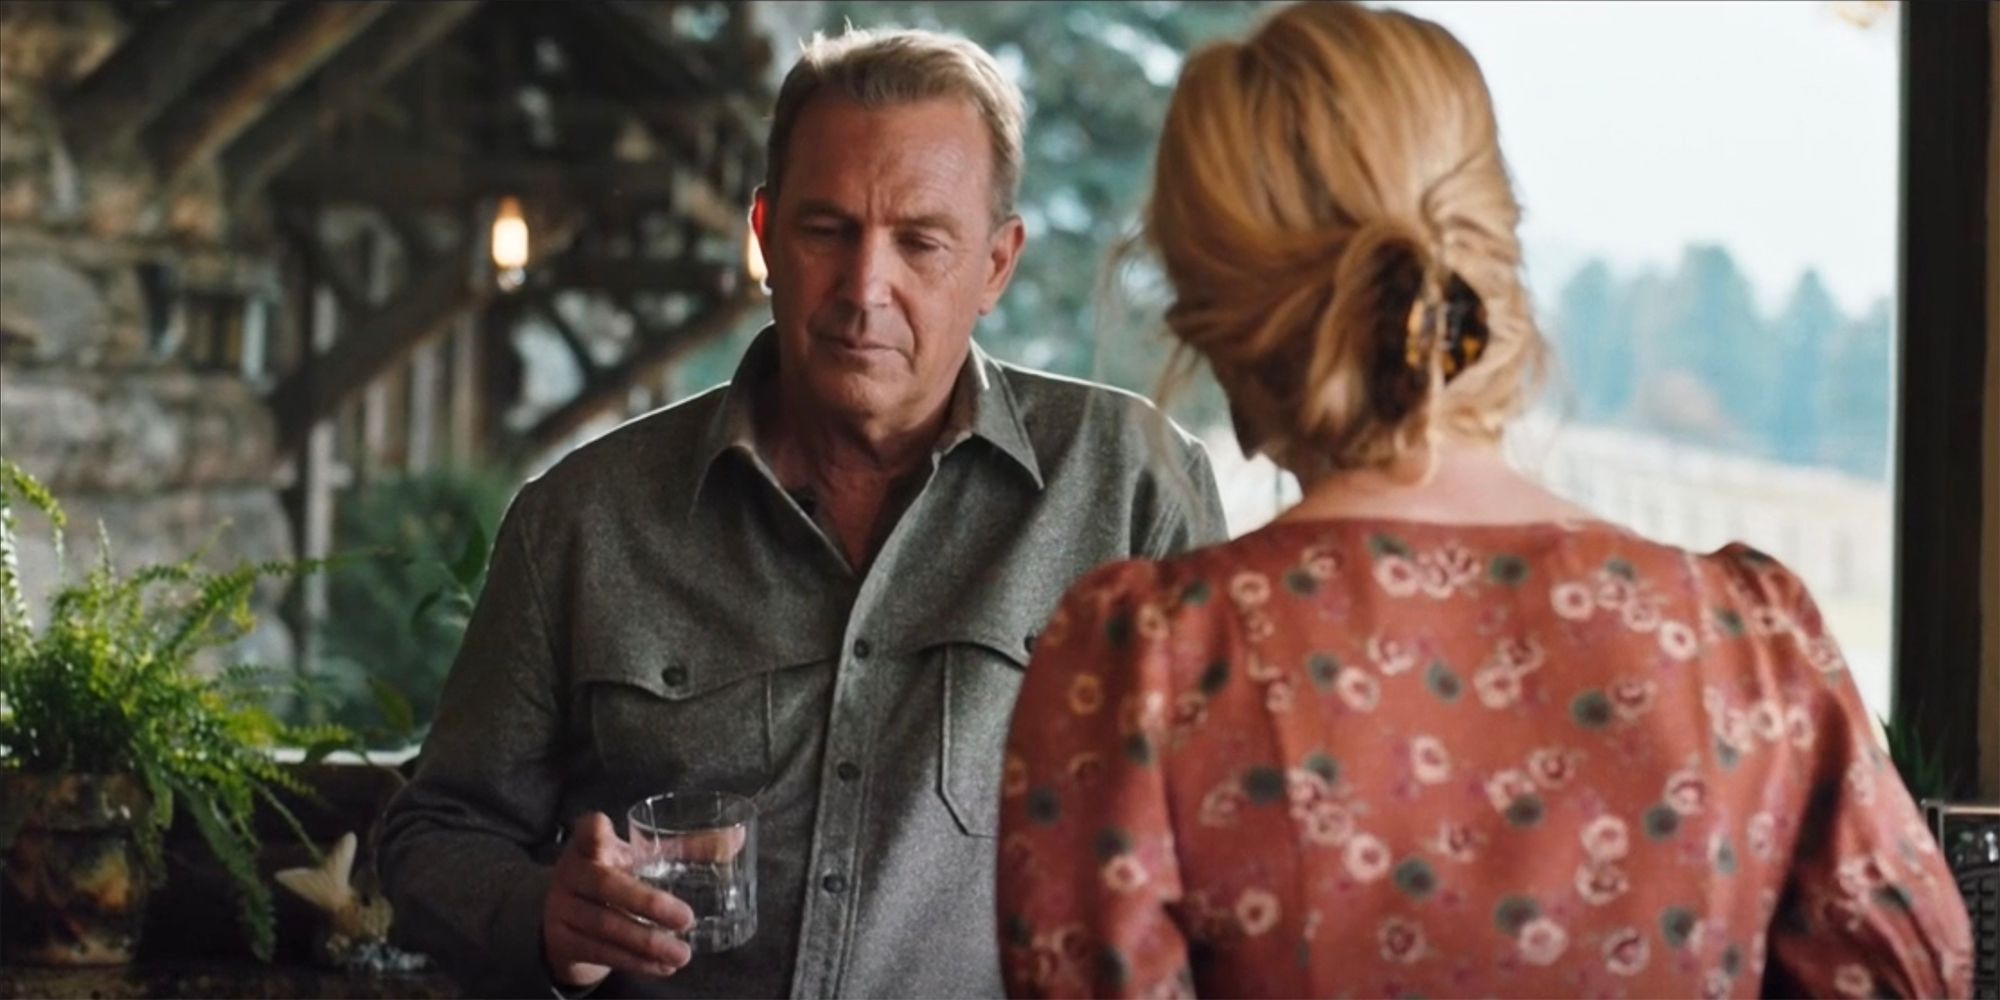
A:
(74, 890)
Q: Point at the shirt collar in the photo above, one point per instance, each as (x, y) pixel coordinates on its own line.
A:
(982, 406)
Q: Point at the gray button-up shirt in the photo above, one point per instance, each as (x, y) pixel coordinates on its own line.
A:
(660, 614)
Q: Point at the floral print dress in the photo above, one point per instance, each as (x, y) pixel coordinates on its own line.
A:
(1387, 758)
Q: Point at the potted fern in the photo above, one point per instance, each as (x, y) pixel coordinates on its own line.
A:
(107, 731)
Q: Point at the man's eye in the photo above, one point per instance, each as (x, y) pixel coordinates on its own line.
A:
(921, 246)
(823, 231)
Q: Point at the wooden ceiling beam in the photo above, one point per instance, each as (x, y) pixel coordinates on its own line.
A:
(165, 53)
(225, 103)
(629, 275)
(347, 82)
(402, 180)
(652, 354)
(372, 344)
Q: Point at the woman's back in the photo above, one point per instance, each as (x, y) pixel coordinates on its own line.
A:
(1394, 757)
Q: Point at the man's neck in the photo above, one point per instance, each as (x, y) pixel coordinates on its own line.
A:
(851, 470)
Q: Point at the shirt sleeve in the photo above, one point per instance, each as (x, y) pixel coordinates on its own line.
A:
(1087, 869)
(1192, 515)
(1869, 907)
(457, 845)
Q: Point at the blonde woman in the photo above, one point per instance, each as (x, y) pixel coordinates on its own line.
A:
(1434, 731)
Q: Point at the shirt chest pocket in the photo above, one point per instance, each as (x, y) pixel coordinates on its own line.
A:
(981, 680)
(680, 725)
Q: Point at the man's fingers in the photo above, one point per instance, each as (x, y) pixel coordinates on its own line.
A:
(713, 845)
(598, 842)
(638, 942)
(619, 890)
(581, 947)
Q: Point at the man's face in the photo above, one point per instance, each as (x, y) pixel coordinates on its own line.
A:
(882, 253)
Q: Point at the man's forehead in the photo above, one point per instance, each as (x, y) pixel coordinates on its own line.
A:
(924, 155)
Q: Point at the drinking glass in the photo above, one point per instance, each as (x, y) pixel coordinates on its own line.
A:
(701, 847)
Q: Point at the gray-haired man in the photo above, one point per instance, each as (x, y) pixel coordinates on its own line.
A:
(817, 586)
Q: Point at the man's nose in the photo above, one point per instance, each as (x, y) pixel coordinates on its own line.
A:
(870, 266)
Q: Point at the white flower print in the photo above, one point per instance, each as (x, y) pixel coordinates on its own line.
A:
(1460, 566)
(1498, 687)
(1256, 911)
(1359, 689)
(1686, 792)
(1145, 713)
(1150, 622)
(1457, 842)
(1221, 806)
(1678, 640)
(1767, 620)
(1257, 626)
(1304, 786)
(1249, 589)
(1520, 654)
(1824, 655)
(1429, 761)
(1601, 882)
(1366, 857)
(1631, 698)
(1860, 874)
(1321, 562)
(1402, 941)
(1572, 601)
(1553, 767)
(1390, 656)
(1396, 575)
(1278, 697)
(1124, 874)
(1626, 951)
(1799, 727)
(1263, 671)
(1013, 776)
(1606, 838)
(1614, 592)
(1762, 835)
(1541, 941)
(1767, 720)
(1861, 779)
(1852, 980)
(1086, 694)
(1640, 615)
(1328, 824)
(1506, 786)
(1434, 578)
(1715, 985)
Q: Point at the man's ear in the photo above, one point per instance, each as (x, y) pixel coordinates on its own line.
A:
(1002, 255)
(760, 215)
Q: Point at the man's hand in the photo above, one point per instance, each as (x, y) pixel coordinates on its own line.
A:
(591, 918)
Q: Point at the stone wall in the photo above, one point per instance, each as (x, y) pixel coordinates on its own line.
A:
(97, 394)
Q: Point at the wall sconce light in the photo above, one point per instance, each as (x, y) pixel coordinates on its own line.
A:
(753, 260)
(510, 244)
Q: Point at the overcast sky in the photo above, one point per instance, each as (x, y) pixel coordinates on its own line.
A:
(1635, 128)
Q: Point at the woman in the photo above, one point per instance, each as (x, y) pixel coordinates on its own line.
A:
(1433, 731)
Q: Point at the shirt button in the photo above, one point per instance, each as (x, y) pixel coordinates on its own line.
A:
(675, 676)
(861, 649)
(847, 770)
(834, 882)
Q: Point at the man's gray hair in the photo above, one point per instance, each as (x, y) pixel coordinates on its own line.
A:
(901, 66)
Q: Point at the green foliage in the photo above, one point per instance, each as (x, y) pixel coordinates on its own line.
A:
(1921, 767)
(1688, 355)
(393, 624)
(107, 686)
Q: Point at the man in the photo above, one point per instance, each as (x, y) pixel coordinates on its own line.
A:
(817, 586)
